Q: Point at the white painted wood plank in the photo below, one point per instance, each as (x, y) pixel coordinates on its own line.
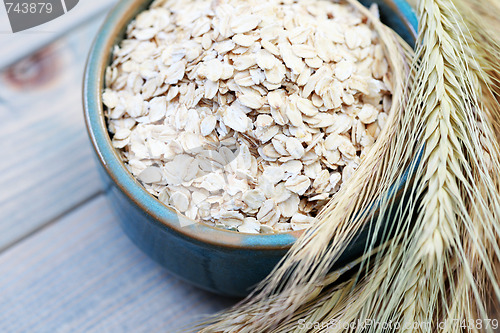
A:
(46, 163)
(82, 274)
(21, 44)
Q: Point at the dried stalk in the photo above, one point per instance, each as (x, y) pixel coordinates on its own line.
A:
(439, 266)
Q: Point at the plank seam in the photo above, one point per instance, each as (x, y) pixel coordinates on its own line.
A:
(52, 221)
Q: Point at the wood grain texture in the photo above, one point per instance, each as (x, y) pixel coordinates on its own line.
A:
(78, 272)
(46, 164)
(19, 45)
(82, 274)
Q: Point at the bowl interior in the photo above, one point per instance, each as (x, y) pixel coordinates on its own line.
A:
(395, 13)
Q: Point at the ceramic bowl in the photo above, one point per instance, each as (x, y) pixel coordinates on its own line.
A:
(220, 261)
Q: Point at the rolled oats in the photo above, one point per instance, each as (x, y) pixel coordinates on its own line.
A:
(150, 175)
(298, 184)
(247, 115)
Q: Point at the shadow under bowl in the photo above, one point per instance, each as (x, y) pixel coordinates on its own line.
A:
(224, 262)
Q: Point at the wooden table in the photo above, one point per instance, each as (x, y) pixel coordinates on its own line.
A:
(65, 264)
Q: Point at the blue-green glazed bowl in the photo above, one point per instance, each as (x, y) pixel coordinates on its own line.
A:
(224, 262)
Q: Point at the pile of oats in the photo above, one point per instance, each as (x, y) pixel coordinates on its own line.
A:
(247, 115)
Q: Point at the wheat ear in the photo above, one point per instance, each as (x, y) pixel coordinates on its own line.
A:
(448, 253)
(454, 170)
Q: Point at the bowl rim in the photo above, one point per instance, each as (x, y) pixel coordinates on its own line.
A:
(93, 83)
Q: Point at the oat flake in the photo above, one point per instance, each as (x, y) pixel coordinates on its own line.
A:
(247, 114)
